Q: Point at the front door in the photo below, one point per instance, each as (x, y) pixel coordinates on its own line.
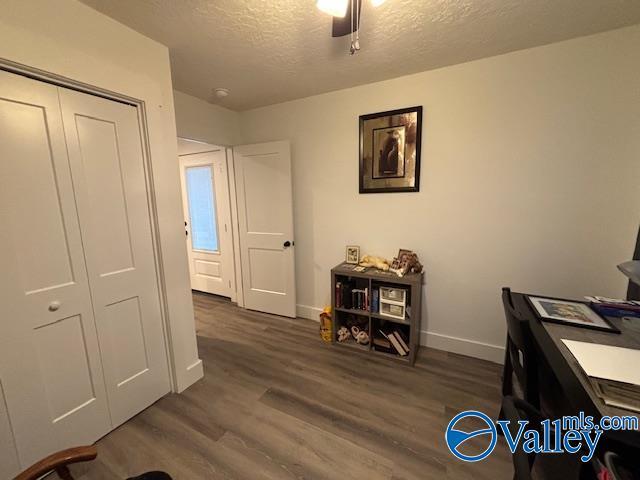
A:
(265, 224)
(205, 199)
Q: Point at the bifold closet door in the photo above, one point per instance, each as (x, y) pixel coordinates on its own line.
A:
(52, 392)
(107, 165)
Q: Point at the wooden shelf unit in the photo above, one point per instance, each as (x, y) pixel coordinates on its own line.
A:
(374, 278)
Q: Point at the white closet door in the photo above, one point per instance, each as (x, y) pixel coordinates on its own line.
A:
(50, 376)
(105, 150)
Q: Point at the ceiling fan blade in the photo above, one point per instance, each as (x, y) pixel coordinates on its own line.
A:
(343, 26)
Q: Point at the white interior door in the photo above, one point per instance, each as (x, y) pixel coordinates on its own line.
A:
(107, 164)
(265, 223)
(51, 381)
(205, 199)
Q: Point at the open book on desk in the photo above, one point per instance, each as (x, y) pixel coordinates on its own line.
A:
(613, 371)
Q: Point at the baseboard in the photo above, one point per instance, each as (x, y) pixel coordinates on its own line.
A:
(310, 313)
(191, 375)
(463, 346)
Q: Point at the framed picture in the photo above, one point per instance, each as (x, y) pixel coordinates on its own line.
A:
(353, 254)
(390, 151)
(569, 312)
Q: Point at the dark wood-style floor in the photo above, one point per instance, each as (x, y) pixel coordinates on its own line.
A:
(277, 403)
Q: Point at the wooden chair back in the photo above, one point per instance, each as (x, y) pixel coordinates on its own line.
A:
(58, 462)
(520, 355)
(514, 410)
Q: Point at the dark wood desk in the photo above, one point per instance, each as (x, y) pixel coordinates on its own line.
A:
(576, 389)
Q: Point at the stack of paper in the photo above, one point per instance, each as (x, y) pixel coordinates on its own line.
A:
(613, 371)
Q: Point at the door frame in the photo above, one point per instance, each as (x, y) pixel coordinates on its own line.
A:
(235, 226)
(238, 290)
(230, 215)
(140, 105)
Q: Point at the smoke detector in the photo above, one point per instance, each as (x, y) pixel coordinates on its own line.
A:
(221, 92)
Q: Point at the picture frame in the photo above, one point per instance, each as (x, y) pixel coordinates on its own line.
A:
(390, 146)
(569, 312)
(352, 254)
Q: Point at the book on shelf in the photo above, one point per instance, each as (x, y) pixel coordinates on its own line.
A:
(351, 298)
(397, 334)
(375, 300)
(383, 345)
(397, 342)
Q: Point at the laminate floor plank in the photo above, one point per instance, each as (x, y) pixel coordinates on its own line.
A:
(278, 403)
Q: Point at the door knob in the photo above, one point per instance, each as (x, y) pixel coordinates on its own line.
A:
(53, 306)
(287, 244)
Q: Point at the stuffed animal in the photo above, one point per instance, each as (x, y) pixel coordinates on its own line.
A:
(343, 334)
(361, 336)
(377, 262)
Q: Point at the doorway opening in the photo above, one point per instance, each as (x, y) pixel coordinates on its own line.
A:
(204, 176)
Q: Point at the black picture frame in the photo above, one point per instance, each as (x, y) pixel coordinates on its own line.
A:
(609, 327)
(415, 187)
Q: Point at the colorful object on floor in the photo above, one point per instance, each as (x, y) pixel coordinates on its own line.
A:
(326, 325)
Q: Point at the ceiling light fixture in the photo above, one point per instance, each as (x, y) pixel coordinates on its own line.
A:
(346, 19)
(221, 92)
(335, 8)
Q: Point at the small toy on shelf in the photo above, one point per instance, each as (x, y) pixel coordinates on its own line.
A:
(406, 261)
(343, 334)
(361, 336)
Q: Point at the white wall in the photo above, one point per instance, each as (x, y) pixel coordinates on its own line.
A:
(200, 120)
(70, 39)
(530, 178)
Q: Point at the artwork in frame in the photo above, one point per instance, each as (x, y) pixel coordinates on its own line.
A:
(390, 151)
(352, 254)
(569, 312)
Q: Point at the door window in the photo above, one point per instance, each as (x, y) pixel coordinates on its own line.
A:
(202, 209)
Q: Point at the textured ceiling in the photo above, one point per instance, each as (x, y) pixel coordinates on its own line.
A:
(269, 51)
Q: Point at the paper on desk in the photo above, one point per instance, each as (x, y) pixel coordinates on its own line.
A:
(604, 361)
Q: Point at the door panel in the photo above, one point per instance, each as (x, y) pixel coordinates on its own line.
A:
(9, 465)
(207, 219)
(265, 217)
(107, 163)
(62, 353)
(125, 333)
(45, 257)
(103, 178)
(49, 364)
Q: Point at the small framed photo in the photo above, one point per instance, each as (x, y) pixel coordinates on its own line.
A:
(390, 145)
(353, 254)
(569, 312)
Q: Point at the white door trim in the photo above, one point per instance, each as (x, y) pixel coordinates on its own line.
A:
(140, 105)
(231, 167)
